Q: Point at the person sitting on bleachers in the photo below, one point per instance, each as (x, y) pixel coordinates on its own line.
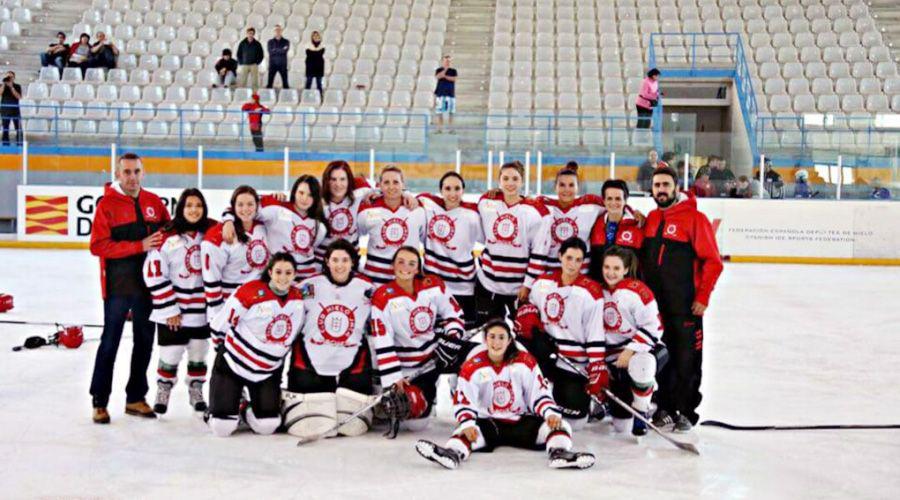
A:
(80, 52)
(801, 186)
(57, 54)
(226, 67)
(103, 53)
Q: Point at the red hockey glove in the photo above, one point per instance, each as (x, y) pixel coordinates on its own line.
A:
(598, 379)
(528, 319)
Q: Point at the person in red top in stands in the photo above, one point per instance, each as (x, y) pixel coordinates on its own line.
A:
(680, 262)
(254, 111)
(126, 225)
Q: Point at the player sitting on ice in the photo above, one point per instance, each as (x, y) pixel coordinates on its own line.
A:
(503, 399)
(634, 353)
(330, 376)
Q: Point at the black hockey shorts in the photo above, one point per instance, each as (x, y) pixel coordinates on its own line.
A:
(520, 434)
(490, 305)
(166, 336)
(470, 312)
(225, 388)
(302, 376)
(570, 393)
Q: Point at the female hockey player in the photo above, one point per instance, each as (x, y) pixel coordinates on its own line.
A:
(226, 266)
(634, 353)
(330, 376)
(565, 318)
(618, 225)
(513, 226)
(296, 226)
(342, 194)
(390, 224)
(173, 276)
(260, 320)
(502, 399)
(406, 313)
(452, 229)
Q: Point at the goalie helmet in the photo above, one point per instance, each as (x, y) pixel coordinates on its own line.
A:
(71, 336)
(6, 302)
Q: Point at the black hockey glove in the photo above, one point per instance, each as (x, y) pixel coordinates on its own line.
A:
(448, 349)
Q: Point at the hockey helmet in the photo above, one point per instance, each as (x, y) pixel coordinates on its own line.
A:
(71, 336)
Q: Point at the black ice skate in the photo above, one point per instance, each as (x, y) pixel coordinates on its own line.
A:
(163, 390)
(663, 421)
(562, 459)
(445, 457)
(683, 425)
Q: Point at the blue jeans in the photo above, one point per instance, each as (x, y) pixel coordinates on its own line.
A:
(115, 311)
(53, 60)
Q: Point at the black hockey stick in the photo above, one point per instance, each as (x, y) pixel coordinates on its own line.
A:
(41, 323)
(688, 447)
(828, 427)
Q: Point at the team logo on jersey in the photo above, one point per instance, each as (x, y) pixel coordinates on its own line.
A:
(555, 307)
(671, 230)
(503, 397)
(257, 254)
(441, 229)
(394, 232)
(506, 230)
(563, 229)
(612, 319)
(627, 236)
(421, 321)
(151, 212)
(279, 329)
(340, 220)
(192, 262)
(302, 238)
(336, 323)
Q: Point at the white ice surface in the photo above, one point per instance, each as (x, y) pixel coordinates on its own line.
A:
(784, 345)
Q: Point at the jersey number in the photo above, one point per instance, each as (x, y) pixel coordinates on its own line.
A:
(155, 270)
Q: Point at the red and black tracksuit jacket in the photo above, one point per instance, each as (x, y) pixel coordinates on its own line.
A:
(120, 223)
(680, 260)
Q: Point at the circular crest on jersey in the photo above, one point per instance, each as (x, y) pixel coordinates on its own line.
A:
(340, 220)
(336, 323)
(421, 320)
(394, 231)
(192, 259)
(302, 239)
(612, 319)
(279, 329)
(441, 228)
(506, 228)
(503, 396)
(671, 229)
(257, 254)
(555, 307)
(627, 236)
(563, 229)
(151, 212)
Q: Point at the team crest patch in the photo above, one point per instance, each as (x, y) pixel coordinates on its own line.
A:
(336, 323)
(279, 329)
(441, 229)
(502, 398)
(505, 230)
(555, 307)
(612, 319)
(563, 229)
(421, 321)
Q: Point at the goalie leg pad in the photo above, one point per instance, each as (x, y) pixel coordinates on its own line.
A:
(642, 371)
(349, 402)
(307, 415)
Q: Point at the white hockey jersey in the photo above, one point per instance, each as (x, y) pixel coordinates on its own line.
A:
(450, 238)
(512, 243)
(227, 266)
(260, 328)
(506, 392)
(336, 319)
(631, 318)
(573, 316)
(577, 220)
(172, 273)
(288, 231)
(403, 325)
(388, 230)
(341, 218)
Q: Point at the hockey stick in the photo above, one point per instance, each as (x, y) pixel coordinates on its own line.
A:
(732, 427)
(40, 323)
(688, 447)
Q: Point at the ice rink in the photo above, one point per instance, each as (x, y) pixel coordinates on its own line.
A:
(784, 345)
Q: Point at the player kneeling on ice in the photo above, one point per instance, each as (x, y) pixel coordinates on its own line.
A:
(260, 321)
(503, 399)
(330, 376)
(173, 276)
(634, 353)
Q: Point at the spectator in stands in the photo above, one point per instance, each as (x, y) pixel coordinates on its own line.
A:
(226, 67)
(774, 183)
(315, 61)
(741, 189)
(801, 185)
(720, 175)
(9, 107)
(702, 187)
(58, 53)
(80, 53)
(879, 192)
(254, 111)
(647, 98)
(445, 92)
(278, 58)
(249, 57)
(104, 53)
(645, 172)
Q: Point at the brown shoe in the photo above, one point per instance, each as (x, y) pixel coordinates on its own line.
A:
(101, 416)
(140, 409)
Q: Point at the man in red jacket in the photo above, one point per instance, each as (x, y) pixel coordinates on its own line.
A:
(126, 225)
(680, 262)
(254, 111)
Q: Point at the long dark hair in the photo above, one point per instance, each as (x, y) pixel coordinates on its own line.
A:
(629, 259)
(449, 174)
(276, 258)
(407, 248)
(511, 350)
(179, 223)
(316, 210)
(239, 231)
(327, 196)
(340, 245)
